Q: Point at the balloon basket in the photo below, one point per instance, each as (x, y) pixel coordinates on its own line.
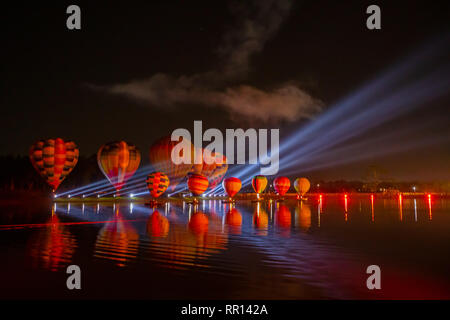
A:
(153, 203)
(193, 201)
(228, 201)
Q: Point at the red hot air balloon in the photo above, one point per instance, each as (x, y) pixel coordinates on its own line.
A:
(118, 161)
(231, 186)
(157, 183)
(54, 159)
(281, 185)
(161, 160)
(197, 184)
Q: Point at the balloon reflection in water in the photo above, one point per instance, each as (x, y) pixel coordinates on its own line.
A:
(186, 246)
(117, 241)
(430, 215)
(303, 216)
(283, 218)
(52, 247)
(157, 225)
(260, 220)
(233, 219)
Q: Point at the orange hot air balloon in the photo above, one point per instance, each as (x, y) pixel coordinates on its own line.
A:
(219, 171)
(157, 225)
(214, 166)
(118, 161)
(231, 186)
(197, 184)
(157, 183)
(161, 160)
(281, 185)
(302, 186)
(259, 183)
(283, 216)
(54, 159)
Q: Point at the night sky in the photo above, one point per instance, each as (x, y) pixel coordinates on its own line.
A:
(60, 83)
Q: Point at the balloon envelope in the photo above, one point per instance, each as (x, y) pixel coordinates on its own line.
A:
(161, 160)
(157, 183)
(232, 186)
(54, 159)
(118, 161)
(281, 185)
(214, 166)
(197, 184)
(301, 185)
(259, 183)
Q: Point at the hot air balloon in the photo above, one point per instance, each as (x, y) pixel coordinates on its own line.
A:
(214, 166)
(301, 185)
(157, 183)
(259, 184)
(54, 159)
(161, 160)
(219, 170)
(281, 185)
(118, 161)
(231, 186)
(197, 184)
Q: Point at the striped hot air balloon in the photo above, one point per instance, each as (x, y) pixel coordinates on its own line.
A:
(214, 166)
(259, 183)
(302, 186)
(54, 159)
(157, 183)
(197, 184)
(281, 185)
(118, 161)
(161, 160)
(231, 186)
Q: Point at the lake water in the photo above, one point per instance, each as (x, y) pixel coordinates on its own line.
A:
(316, 249)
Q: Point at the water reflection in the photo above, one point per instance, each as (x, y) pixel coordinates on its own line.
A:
(260, 220)
(52, 247)
(223, 239)
(157, 225)
(117, 241)
(283, 219)
(303, 216)
(234, 220)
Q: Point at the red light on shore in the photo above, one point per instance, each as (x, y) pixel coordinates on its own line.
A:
(429, 196)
